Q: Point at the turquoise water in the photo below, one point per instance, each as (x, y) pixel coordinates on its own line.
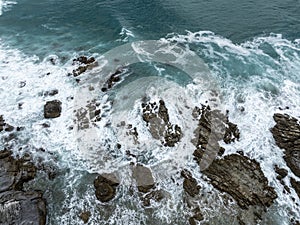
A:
(251, 53)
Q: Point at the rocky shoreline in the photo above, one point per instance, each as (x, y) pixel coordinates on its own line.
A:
(239, 177)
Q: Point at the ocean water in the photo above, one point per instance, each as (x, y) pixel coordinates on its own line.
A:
(181, 51)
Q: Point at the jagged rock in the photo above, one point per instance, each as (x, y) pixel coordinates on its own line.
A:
(282, 173)
(155, 195)
(243, 179)
(296, 185)
(112, 80)
(198, 216)
(106, 185)
(85, 216)
(213, 126)
(85, 64)
(190, 184)
(52, 109)
(88, 115)
(286, 133)
(17, 206)
(157, 118)
(5, 126)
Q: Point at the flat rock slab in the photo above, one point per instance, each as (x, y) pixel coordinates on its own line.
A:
(243, 179)
(286, 133)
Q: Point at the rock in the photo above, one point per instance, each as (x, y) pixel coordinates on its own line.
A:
(198, 216)
(52, 109)
(84, 64)
(85, 216)
(155, 195)
(143, 177)
(243, 179)
(157, 119)
(213, 126)
(282, 173)
(5, 126)
(16, 205)
(296, 185)
(113, 79)
(286, 133)
(106, 185)
(190, 184)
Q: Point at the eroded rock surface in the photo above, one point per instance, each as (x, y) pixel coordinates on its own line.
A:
(190, 184)
(213, 126)
(157, 118)
(84, 64)
(296, 185)
(112, 80)
(286, 133)
(16, 205)
(243, 179)
(106, 186)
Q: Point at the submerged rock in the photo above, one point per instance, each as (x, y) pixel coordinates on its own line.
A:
(243, 179)
(52, 109)
(16, 205)
(286, 133)
(106, 185)
(157, 119)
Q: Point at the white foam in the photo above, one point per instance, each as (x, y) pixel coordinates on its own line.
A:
(5, 5)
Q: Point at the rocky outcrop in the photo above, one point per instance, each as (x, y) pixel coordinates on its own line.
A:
(296, 185)
(213, 126)
(146, 185)
(286, 133)
(106, 186)
(16, 205)
(157, 119)
(88, 115)
(112, 80)
(52, 109)
(243, 179)
(5, 126)
(84, 64)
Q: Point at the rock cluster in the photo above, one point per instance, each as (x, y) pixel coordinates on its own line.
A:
(84, 64)
(213, 126)
(286, 133)
(52, 109)
(112, 80)
(106, 185)
(243, 179)
(157, 118)
(18, 206)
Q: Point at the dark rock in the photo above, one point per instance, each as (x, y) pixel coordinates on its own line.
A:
(213, 126)
(85, 216)
(190, 184)
(157, 118)
(296, 185)
(17, 206)
(113, 79)
(51, 93)
(106, 185)
(198, 216)
(5, 126)
(155, 195)
(282, 173)
(243, 179)
(85, 64)
(52, 109)
(286, 133)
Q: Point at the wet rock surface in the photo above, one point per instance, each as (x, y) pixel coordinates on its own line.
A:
(157, 119)
(87, 116)
(213, 126)
(52, 109)
(296, 185)
(16, 205)
(243, 179)
(190, 184)
(5, 126)
(106, 186)
(84, 64)
(286, 133)
(85, 216)
(113, 79)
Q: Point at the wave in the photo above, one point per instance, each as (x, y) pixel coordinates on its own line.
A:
(5, 5)
(255, 80)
